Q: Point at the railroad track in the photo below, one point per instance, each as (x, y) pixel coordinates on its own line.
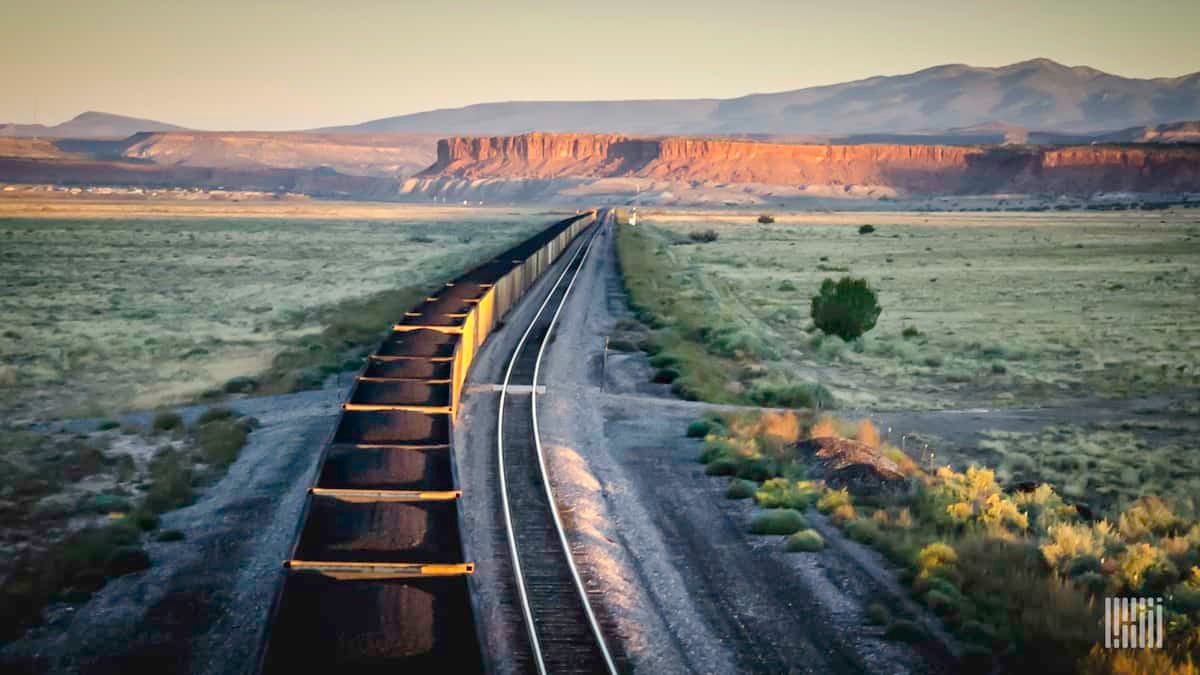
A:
(377, 580)
(564, 633)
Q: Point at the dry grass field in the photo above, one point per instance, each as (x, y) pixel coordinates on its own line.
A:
(978, 308)
(106, 312)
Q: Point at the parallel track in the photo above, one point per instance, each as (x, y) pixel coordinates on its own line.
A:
(564, 633)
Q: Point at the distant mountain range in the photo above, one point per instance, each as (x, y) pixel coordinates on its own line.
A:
(1038, 101)
(1038, 94)
(90, 124)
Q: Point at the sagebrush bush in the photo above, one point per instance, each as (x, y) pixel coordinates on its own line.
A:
(740, 488)
(905, 630)
(778, 521)
(808, 541)
(847, 308)
(785, 493)
(220, 441)
(213, 414)
(167, 421)
(833, 499)
(766, 219)
(793, 395)
(699, 428)
(703, 236)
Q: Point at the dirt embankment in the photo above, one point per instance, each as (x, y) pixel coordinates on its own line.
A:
(909, 168)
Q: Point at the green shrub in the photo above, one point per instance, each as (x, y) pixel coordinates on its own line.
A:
(144, 520)
(778, 521)
(910, 332)
(805, 540)
(703, 236)
(170, 483)
(722, 466)
(766, 219)
(863, 531)
(784, 493)
(866, 229)
(167, 421)
(241, 385)
(214, 414)
(171, 535)
(665, 375)
(717, 448)
(700, 428)
(622, 345)
(847, 308)
(878, 614)
(664, 360)
(903, 630)
(106, 425)
(126, 560)
(786, 286)
(758, 468)
(791, 396)
(220, 441)
(740, 488)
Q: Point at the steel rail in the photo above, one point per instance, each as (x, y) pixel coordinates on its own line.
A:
(514, 553)
(537, 440)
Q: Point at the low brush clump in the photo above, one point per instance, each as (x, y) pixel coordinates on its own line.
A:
(68, 562)
(1017, 577)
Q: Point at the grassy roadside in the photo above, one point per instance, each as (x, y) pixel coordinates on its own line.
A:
(700, 341)
(79, 509)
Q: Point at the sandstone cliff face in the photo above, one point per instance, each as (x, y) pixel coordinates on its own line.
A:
(909, 168)
(380, 155)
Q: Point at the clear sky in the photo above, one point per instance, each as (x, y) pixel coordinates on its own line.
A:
(269, 64)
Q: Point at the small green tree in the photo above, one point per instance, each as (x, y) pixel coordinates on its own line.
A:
(847, 308)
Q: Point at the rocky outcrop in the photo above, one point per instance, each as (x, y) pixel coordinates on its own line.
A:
(920, 169)
(843, 462)
(383, 155)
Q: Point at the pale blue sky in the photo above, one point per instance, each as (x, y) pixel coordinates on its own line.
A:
(284, 65)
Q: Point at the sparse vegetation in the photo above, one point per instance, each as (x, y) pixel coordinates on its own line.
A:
(715, 353)
(165, 309)
(1006, 330)
(1015, 576)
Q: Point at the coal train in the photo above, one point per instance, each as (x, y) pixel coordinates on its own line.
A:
(377, 578)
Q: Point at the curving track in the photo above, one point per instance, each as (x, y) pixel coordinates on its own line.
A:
(377, 579)
(564, 633)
